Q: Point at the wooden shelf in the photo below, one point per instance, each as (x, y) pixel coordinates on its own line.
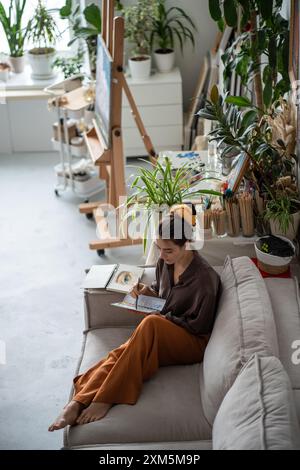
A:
(113, 243)
(75, 100)
(95, 147)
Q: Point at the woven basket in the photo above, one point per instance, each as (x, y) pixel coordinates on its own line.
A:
(267, 268)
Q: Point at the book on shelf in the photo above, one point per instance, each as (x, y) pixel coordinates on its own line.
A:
(144, 304)
(113, 277)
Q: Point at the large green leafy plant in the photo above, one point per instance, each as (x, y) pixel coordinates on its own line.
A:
(240, 127)
(160, 187)
(170, 25)
(11, 21)
(263, 33)
(85, 26)
(243, 128)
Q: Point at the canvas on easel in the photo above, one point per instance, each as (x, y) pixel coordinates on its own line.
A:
(105, 140)
(103, 91)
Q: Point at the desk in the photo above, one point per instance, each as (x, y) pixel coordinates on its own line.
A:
(215, 250)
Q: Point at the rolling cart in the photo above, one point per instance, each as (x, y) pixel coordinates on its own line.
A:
(76, 170)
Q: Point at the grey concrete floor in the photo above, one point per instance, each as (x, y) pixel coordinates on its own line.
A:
(43, 254)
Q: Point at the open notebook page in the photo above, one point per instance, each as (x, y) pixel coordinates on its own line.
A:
(146, 303)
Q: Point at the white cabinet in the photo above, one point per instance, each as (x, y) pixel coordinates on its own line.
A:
(26, 124)
(159, 101)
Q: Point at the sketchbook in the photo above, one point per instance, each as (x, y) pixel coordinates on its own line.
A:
(145, 304)
(113, 277)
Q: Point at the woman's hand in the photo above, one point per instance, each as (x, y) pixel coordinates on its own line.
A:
(142, 289)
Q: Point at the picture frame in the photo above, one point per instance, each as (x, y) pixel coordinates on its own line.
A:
(238, 171)
(103, 92)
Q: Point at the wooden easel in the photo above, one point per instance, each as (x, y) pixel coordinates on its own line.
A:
(111, 160)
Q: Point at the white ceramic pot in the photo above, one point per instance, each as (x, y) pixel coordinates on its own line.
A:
(292, 230)
(17, 64)
(4, 74)
(41, 65)
(272, 260)
(140, 67)
(165, 61)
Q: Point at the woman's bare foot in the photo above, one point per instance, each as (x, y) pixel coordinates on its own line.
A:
(68, 416)
(93, 412)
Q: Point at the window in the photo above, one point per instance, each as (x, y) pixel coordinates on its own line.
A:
(62, 25)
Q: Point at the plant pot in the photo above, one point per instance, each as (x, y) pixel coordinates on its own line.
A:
(140, 67)
(4, 72)
(165, 60)
(17, 64)
(272, 264)
(292, 230)
(41, 63)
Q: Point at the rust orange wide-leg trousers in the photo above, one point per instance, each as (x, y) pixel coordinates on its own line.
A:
(119, 377)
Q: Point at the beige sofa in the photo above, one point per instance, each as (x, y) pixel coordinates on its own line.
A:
(245, 394)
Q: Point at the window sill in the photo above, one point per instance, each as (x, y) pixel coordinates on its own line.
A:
(23, 86)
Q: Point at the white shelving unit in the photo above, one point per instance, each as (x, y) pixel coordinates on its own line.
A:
(159, 101)
(72, 157)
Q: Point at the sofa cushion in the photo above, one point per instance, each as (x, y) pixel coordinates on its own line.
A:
(284, 294)
(244, 325)
(258, 412)
(169, 408)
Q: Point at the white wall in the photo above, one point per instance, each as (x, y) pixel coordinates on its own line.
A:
(190, 62)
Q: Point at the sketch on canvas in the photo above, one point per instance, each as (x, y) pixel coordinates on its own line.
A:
(237, 173)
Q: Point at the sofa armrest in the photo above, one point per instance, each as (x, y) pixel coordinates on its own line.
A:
(99, 312)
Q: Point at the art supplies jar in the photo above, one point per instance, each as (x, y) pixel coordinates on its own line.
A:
(233, 217)
(219, 222)
(247, 215)
(207, 224)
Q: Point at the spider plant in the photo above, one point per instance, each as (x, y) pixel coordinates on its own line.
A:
(161, 187)
(281, 210)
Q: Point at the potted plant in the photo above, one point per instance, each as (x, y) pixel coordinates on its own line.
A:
(274, 254)
(138, 27)
(15, 34)
(260, 52)
(43, 32)
(86, 26)
(283, 214)
(266, 138)
(4, 71)
(159, 188)
(169, 25)
(71, 69)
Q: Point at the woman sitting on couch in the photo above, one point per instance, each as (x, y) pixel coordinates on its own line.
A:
(177, 335)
